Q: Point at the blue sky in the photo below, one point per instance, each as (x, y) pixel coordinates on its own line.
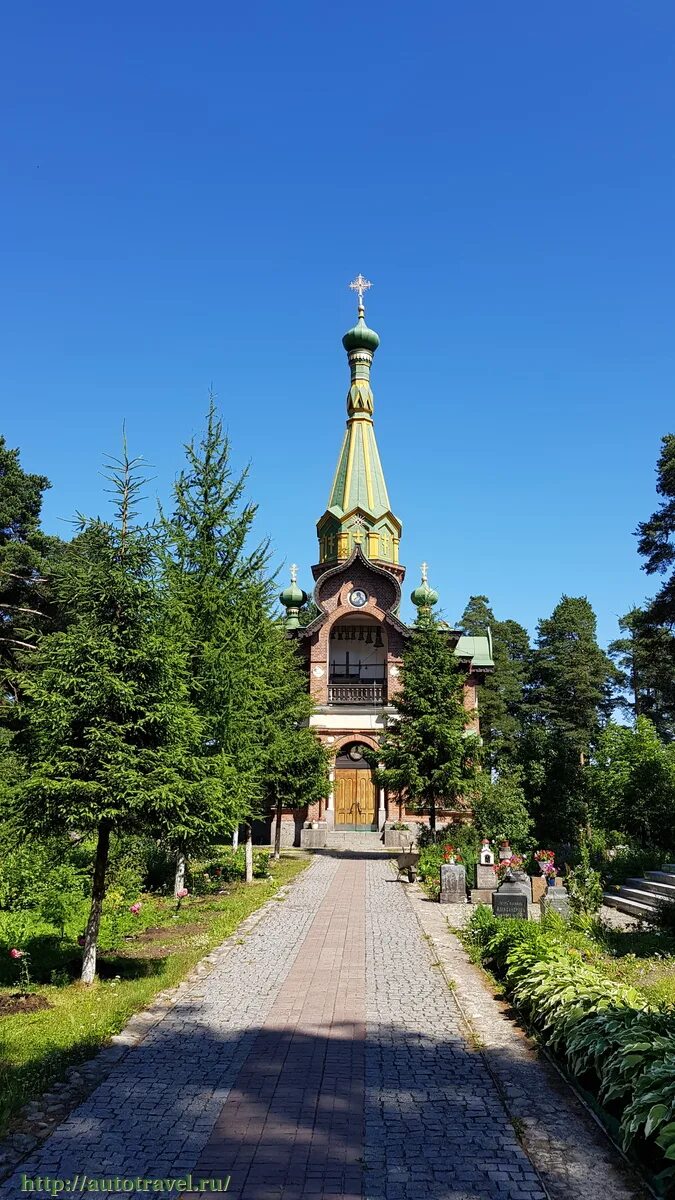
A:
(188, 189)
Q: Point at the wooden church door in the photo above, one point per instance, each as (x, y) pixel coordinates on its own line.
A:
(355, 794)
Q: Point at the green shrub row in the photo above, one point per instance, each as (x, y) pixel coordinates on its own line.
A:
(618, 1046)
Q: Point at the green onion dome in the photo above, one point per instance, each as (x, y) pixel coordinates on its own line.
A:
(361, 337)
(293, 596)
(424, 596)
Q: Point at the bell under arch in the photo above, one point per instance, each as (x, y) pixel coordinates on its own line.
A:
(357, 661)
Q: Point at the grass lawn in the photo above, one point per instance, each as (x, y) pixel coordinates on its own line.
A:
(644, 958)
(36, 1048)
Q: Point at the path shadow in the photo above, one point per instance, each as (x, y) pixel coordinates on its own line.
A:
(288, 1114)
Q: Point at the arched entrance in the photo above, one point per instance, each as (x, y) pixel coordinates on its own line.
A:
(354, 789)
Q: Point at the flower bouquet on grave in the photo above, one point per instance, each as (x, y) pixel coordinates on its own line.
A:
(546, 861)
(514, 863)
(450, 855)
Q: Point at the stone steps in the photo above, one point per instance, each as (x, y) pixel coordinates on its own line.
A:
(642, 897)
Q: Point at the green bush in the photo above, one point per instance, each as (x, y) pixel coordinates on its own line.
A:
(465, 841)
(584, 883)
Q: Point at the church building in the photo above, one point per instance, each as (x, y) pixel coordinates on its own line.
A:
(353, 646)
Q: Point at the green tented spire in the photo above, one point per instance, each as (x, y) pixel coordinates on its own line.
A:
(358, 510)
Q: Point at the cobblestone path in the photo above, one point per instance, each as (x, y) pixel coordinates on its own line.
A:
(325, 1057)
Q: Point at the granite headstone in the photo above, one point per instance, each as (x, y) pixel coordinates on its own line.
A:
(453, 884)
(510, 900)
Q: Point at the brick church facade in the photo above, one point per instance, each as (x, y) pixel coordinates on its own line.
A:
(353, 646)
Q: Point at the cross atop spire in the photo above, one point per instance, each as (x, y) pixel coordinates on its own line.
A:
(294, 572)
(360, 285)
(425, 568)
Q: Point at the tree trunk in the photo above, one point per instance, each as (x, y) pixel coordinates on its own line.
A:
(277, 834)
(432, 819)
(97, 898)
(235, 838)
(249, 855)
(179, 880)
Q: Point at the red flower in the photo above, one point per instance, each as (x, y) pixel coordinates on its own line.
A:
(17, 953)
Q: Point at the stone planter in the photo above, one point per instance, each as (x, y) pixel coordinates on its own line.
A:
(314, 839)
(399, 839)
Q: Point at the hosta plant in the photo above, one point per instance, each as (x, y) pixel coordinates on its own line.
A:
(651, 1112)
(593, 1042)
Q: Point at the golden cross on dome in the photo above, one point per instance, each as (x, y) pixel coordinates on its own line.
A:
(294, 572)
(360, 285)
(424, 572)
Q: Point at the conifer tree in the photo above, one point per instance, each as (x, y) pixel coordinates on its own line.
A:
(570, 700)
(294, 765)
(217, 598)
(503, 694)
(111, 740)
(572, 675)
(245, 680)
(644, 655)
(27, 604)
(427, 755)
(656, 536)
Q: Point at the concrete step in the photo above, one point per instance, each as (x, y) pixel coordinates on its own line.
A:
(665, 890)
(662, 877)
(337, 839)
(633, 907)
(669, 867)
(640, 894)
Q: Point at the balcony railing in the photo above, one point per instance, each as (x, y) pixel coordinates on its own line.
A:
(357, 693)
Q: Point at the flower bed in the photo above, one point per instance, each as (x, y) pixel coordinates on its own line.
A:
(617, 1045)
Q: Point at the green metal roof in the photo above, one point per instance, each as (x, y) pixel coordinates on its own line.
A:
(475, 648)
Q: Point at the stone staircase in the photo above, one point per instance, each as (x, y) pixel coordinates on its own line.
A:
(641, 897)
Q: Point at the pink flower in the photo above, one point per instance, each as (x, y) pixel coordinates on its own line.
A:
(17, 953)
(135, 908)
(182, 893)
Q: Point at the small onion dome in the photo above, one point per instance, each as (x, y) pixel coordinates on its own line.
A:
(424, 596)
(361, 337)
(293, 596)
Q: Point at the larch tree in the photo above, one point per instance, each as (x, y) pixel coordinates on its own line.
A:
(426, 752)
(111, 740)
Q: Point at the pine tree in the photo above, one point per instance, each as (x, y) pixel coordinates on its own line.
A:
(27, 605)
(502, 699)
(111, 740)
(644, 656)
(427, 755)
(657, 537)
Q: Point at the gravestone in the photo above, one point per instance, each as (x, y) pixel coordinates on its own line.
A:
(505, 851)
(453, 884)
(557, 899)
(510, 900)
(486, 877)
